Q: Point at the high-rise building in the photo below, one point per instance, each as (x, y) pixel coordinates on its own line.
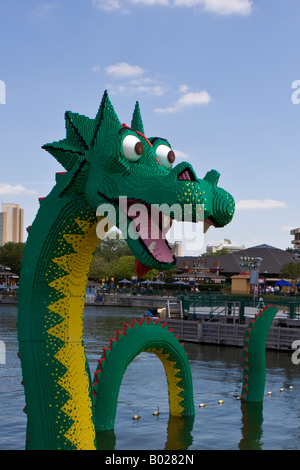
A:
(11, 223)
(296, 241)
(176, 249)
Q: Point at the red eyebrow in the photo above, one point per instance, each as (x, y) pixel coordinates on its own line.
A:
(139, 133)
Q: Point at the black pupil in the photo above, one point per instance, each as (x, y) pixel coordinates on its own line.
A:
(171, 156)
(139, 148)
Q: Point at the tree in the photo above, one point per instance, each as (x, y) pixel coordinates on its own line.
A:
(112, 249)
(124, 267)
(291, 271)
(100, 268)
(106, 255)
(221, 252)
(11, 254)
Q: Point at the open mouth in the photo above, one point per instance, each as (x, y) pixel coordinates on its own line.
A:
(186, 175)
(208, 222)
(149, 225)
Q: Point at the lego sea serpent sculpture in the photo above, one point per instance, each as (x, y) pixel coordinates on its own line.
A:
(104, 160)
(254, 355)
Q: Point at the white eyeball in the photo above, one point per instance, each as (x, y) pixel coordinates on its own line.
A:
(165, 155)
(132, 148)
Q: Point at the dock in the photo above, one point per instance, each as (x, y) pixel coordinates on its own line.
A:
(224, 325)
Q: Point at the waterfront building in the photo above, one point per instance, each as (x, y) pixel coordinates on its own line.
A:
(11, 223)
(229, 265)
(7, 277)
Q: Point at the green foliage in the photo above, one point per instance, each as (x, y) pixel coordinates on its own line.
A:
(112, 248)
(291, 271)
(11, 254)
(124, 268)
(221, 252)
(106, 256)
(292, 250)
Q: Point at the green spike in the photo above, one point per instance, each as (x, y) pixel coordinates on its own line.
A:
(137, 123)
(106, 119)
(79, 129)
(64, 152)
(212, 177)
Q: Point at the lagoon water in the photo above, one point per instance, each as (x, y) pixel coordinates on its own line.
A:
(217, 375)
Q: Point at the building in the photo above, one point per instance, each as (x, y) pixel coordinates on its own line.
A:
(3, 217)
(11, 223)
(7, 278)
(229, 265)
(197, 270)
(176, 249)
(296, 241)
(227, 245)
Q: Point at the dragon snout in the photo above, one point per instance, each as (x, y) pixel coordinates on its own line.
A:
(223, 208)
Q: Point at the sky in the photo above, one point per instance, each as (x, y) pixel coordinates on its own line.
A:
(219, 79)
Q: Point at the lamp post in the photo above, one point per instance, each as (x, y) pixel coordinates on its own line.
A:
(254, 264)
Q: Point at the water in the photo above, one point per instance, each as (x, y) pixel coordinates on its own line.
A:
(217, 374)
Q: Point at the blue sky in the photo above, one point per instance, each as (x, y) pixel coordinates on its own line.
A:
(214, 77)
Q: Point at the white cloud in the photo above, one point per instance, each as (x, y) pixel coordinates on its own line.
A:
(220, 7)
(188, 99)
(260, 204)
(151, 2)
(124, 70)
(107, 5)
(180, 155)
(134, 80)
(132, 89)
(8, 189)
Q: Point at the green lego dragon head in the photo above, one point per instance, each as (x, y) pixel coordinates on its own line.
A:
(131, 178)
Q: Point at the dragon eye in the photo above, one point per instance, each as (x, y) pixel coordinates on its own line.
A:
(166, 155)
(132, 148)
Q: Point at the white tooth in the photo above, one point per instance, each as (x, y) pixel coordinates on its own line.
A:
(152, 247)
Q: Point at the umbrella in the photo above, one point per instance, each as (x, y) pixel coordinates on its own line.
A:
(182, 283)
(125, 281)
(158, 282)
(146, 282)
(298, 285)
(282, 283)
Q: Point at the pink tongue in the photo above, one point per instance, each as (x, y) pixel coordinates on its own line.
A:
(161, 251)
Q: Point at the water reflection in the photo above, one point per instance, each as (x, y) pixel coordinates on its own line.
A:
(179, 435)
(106, 440)
(252, 420)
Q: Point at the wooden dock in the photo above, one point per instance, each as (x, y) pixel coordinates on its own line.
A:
(230, 334)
